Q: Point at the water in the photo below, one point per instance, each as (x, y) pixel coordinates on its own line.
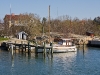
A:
(85, 62)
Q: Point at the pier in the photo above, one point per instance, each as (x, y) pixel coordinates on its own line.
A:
(28, 48)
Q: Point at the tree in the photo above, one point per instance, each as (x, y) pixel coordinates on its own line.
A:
(97, 20)
(30, 23)
(34, 26)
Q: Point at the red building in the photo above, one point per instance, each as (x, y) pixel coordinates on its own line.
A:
(90, 34)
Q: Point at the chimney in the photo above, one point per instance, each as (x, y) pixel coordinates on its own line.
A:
(12, 14)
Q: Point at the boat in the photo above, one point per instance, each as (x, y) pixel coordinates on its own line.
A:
(94, 43)
(64, 45)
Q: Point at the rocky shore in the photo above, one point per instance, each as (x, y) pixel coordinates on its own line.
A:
(78, 39)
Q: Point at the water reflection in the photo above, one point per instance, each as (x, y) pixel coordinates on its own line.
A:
(12, 67)
(71, 63)
(82, 50)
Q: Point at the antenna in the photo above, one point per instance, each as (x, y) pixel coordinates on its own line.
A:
(57, 11)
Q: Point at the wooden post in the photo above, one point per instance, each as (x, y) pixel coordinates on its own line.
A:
(78, 42)
(36, 48)
(29, 47)
(22, 46)
(44, 51)
(19, 47)
(25, 48)
(83, 46)
(51, 44)
(12, 53)
(15, 46)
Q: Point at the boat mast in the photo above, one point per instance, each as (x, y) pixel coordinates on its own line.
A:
(49, 23)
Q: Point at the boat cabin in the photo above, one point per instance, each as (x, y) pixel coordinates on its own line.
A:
(67, 42)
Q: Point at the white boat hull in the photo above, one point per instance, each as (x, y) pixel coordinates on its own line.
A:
(65, 49)
(60, 49)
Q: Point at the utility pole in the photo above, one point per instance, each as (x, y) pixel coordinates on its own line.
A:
(10, 12)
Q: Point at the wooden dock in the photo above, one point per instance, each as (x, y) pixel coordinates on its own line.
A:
(27, 48)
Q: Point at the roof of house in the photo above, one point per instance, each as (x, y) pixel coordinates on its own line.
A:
(22, 32)
(14, 17)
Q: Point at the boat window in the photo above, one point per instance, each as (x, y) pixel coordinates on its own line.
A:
(60, 43)
(64, 40)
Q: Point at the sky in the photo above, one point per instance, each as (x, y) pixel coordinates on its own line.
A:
(82, 9)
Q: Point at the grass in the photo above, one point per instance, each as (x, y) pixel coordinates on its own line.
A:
(2, 38)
